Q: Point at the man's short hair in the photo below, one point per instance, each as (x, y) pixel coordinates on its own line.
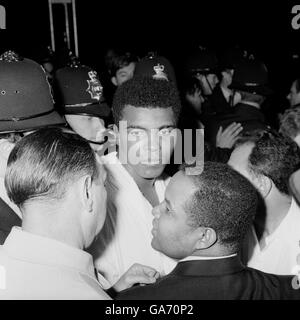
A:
(273, 155)
(43, 164)
(116, 59)
(224, 201)
(146, 92)
(290, 122)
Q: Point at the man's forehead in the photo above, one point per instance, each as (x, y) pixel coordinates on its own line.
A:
(180, 188)
(142, 114)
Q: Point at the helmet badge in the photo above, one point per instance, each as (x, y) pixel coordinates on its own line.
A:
(159, 72)
(10, 56)
(95, 88)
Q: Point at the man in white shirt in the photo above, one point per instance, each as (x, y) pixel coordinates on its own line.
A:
(146, 111)
(54, 178)
(26, 104)
(268, 159)
(202, 222)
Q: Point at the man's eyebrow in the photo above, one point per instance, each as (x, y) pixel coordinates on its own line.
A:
(167, 126)
(135, 127)
(160, 128)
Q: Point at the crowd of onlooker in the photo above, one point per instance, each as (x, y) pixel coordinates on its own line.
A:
(94, 203)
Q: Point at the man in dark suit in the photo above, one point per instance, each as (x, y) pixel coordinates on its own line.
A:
(202, 223)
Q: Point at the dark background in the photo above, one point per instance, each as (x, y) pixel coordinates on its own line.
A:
(171, 28)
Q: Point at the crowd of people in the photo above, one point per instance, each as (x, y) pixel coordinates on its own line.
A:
(175, 186)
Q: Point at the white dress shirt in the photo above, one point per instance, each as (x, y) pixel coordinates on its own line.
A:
(38, 268)
(282, 247)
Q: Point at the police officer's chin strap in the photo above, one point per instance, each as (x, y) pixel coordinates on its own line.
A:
(210, 87)
(98, 143)
(231, 98)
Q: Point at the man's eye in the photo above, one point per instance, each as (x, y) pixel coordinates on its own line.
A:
(165, 132)
(137, 133)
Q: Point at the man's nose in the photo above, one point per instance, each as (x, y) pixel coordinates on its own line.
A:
(154, 141)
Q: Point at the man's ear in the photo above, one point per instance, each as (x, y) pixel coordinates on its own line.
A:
(114, 81)
(205, 238)
(114, 135)
(86, 193)
(264, 185)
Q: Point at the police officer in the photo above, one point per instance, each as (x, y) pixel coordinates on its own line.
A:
(223, 98)
(201, 70)
(155, 66)
(250, 80)
(201, 65)
(26, 104)
(80, 99)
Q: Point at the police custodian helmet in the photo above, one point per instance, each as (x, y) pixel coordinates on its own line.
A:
(26, 101)
(79, 91)
(155, 66)
(251, 75)
(202, 61)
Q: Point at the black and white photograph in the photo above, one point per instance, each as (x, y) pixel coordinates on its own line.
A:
(149, 151)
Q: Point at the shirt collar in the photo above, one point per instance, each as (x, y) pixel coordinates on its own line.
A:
(285, 224)
(33, 248)
(192, 258)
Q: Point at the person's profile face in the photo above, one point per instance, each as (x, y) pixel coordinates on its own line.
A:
(124, 73)
(172, 235)
(147, 141)
(293, 96)
(227, 75)
(88, 127)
